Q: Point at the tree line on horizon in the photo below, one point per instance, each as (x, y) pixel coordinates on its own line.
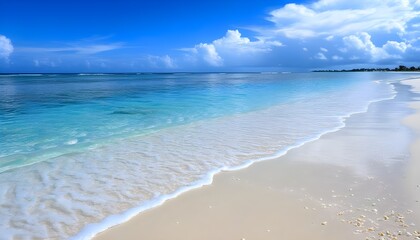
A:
(400, 68)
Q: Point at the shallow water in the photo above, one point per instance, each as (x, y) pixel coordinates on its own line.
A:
(76, 149)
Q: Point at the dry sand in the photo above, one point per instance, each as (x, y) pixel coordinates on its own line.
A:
(338, 187)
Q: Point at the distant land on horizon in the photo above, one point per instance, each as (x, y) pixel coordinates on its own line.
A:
(400, 68)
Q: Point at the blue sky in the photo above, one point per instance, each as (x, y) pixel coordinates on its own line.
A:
(167, 36)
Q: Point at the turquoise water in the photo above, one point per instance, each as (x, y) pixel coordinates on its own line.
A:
(87, 110)
(93, 146)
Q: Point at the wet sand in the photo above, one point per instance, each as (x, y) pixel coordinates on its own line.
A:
(361, 182)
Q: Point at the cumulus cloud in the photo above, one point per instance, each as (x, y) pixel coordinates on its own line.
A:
(341, 17)
(362, 42)
(6, 47)
(207, 53)
(230, 47)
(393, 47)
(233, 40)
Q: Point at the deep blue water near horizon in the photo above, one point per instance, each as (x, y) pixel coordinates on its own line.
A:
(126, 139)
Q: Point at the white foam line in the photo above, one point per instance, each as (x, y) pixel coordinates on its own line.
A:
(92, 229)
(413, 83)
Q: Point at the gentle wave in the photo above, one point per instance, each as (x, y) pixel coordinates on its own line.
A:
(93, 229)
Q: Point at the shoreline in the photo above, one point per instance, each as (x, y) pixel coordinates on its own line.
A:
(91, 230)
(210, 184)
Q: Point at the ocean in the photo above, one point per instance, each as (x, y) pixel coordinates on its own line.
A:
(82, 152)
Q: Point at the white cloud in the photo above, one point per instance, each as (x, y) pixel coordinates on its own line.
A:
(161, 61)
(92, 49)
(324, 49)
(231, 46)
(168, 62)
(6, 47)
(233, 40)
(340, 4)
(208, 53)
(320, 56)
(331, 18)
(362, 42)
(396, 47)
(84, 50)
